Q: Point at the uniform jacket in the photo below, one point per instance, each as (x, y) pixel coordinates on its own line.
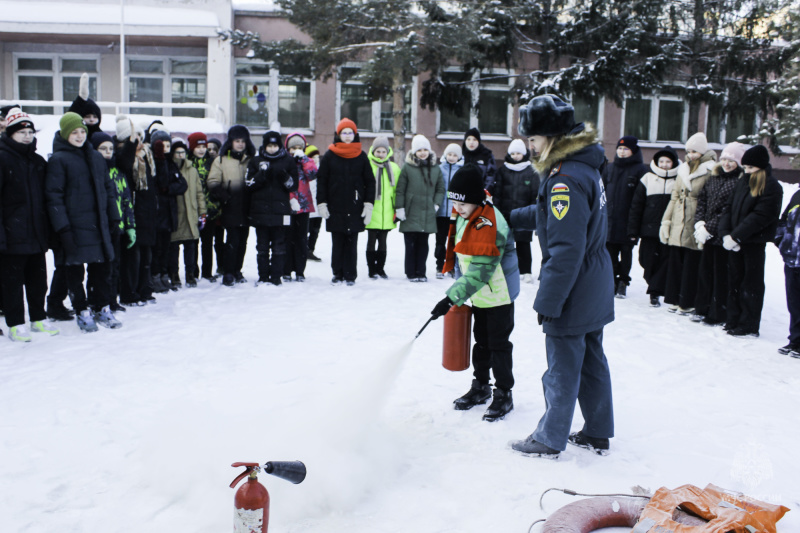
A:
(679, 215)
(620, 179)
(268, 196)
(714, 200)
(81, 198)
(787, 236)
(650, 200)
(24, 228)
(753, 220)
(345, 185)
(191, 204)
(420, 191)
(517, 185)
(226, 186)
(448, 169)
(484, 158)
(385, 191)
(576, 283)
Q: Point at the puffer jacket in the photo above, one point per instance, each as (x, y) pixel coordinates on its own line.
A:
(650, 200)
(191, 204)
(420, 191)
(753, 219)
(714, 200)
(270, 179)
(448, 171)
(226, 186)
(24, 228)
(621, 179)
(517, 185)
(787, 236)
(385, 190)
(484, 158)
(679, 215)
(345, 185)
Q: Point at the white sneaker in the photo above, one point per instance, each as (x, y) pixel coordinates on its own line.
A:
(41, 326)
(527, 278)
(20, 334)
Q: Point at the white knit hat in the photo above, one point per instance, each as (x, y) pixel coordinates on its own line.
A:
(698, 143)
(453, 148)
(517, 146)
(420, 142)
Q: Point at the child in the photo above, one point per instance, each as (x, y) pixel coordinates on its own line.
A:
(420, 192)
(746, 225)
(517, 185)
(271, 176)
(647, 209)
(214, 148)
(386, 174)
(481, 250)
(191, 217)
(212, 234)
(787, 239)
(86, 107)
(477, 153)
(314, 219)
(620, 179)
(449, 164)
(297, 232)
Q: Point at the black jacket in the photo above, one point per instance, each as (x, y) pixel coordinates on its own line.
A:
(24, 227)
(145, 200)
(620, 179)
(268, 188)
(750, 220)
(345, 184)
(171, 184)
(714, 199)
(514, 189)
(650, 201)
(82, 199)
(484, 158)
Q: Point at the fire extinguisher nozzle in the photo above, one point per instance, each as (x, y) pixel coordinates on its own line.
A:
(292, 471)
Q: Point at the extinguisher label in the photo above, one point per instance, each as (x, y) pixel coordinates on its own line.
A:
(247, 521)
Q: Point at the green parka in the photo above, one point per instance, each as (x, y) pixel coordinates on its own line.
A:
(420, 191)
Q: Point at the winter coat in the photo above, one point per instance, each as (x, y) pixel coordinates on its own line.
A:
(226, 186)
(750, 220)
(448, 170)
(270, 179)
(191, 204)
(306, 173)
(203, 166)
(484, 158)
(24, 228)
(81, 198)
(620, 179)
(145, 199)
(714, 200)
(576, 284)
(649, 202)
(385, 191)
(679, 215)
(171, 184)
(124, 198)
(787, 236)
(420, 191)
(517, 185)
(489, 281)
(345, 184)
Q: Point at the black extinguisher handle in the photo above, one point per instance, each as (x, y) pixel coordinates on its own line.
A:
(293, 471)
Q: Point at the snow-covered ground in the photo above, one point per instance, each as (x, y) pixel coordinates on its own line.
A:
(135, 429)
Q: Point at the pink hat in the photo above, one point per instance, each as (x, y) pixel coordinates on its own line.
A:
(734, 151)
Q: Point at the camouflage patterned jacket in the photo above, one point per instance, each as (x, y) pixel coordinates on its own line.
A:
(124, 199)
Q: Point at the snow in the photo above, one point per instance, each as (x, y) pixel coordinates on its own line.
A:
(136, 428)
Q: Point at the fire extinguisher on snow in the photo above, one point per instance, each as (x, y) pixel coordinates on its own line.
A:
(251, 503)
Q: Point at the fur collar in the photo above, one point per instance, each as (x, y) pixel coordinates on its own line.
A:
(565, 147)
(661, 173)
(707, 163)
(414, 162)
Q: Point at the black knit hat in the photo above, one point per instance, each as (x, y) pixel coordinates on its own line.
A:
(271, 137)
(176, 143)
(214, 140)
(99, 137)
(667, 151)
(466, 185)
(473, 132)
(629, 141)
(546, 115)
(757, 156)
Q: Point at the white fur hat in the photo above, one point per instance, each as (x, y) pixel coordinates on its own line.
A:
(517, 146)
(698, 143)
(420, 142)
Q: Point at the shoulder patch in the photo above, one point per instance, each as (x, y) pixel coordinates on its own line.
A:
(559, 205)
(559, 188)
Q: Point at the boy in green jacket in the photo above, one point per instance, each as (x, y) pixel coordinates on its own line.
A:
(481, 249)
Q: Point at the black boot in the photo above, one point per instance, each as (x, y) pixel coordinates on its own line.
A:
(478, 394)
(595, 444)
(60, 313)
(502, 404)
(622, 289)
(373, 274)
(380, 261)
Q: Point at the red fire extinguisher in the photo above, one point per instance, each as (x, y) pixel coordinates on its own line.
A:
(251, 503)
(457, 338)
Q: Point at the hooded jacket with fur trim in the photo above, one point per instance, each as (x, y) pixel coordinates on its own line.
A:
(420, 191)
(679, 215)
(650, 200)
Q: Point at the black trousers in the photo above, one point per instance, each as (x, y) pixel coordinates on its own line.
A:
(416, 253)
(212, 241)
(98, 283)
(58, 287)
(145, 288)
(314, 224)
(129, 275)
(114, 274)
(793, 302)
(18, 272)
(189, 258)
(492, 328)
(683, 270)
(653, 258)
(746, 287)
(296, 245)
(524, 256)
(621, 261)
(344, 255)
(376, 240)
(160, 264)
(440, 248)
(270, 239)
(712, 285)
(235, 248)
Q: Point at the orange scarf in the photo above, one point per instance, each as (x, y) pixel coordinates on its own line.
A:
(346, 150)
(479, 238)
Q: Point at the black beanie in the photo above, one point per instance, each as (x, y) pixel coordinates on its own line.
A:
(629, 141)
(271, 137)
(99, 138)
(757, 156)
(466, 185)
(667, 151)
(473, 132)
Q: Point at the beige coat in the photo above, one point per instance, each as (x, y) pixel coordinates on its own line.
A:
(191, 205)
(225, 183)
(679, 216)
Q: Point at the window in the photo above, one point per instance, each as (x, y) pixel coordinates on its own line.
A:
(184, 78)
(263, 96)
(659, 118)
(370, 115)
(588, 109)
(479, 100)
(52, 77)
(725, 128)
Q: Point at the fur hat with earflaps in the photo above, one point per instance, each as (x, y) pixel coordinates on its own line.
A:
(546, 115)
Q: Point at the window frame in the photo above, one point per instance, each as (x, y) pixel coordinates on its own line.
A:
(55, 73)
(475, 89)
(655, 99)
(723, 128)
(167, 77)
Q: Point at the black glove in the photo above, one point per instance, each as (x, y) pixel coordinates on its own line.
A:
(288, 181)
(541, 319)
(114, 229)
(67, 241)
(442, 308)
